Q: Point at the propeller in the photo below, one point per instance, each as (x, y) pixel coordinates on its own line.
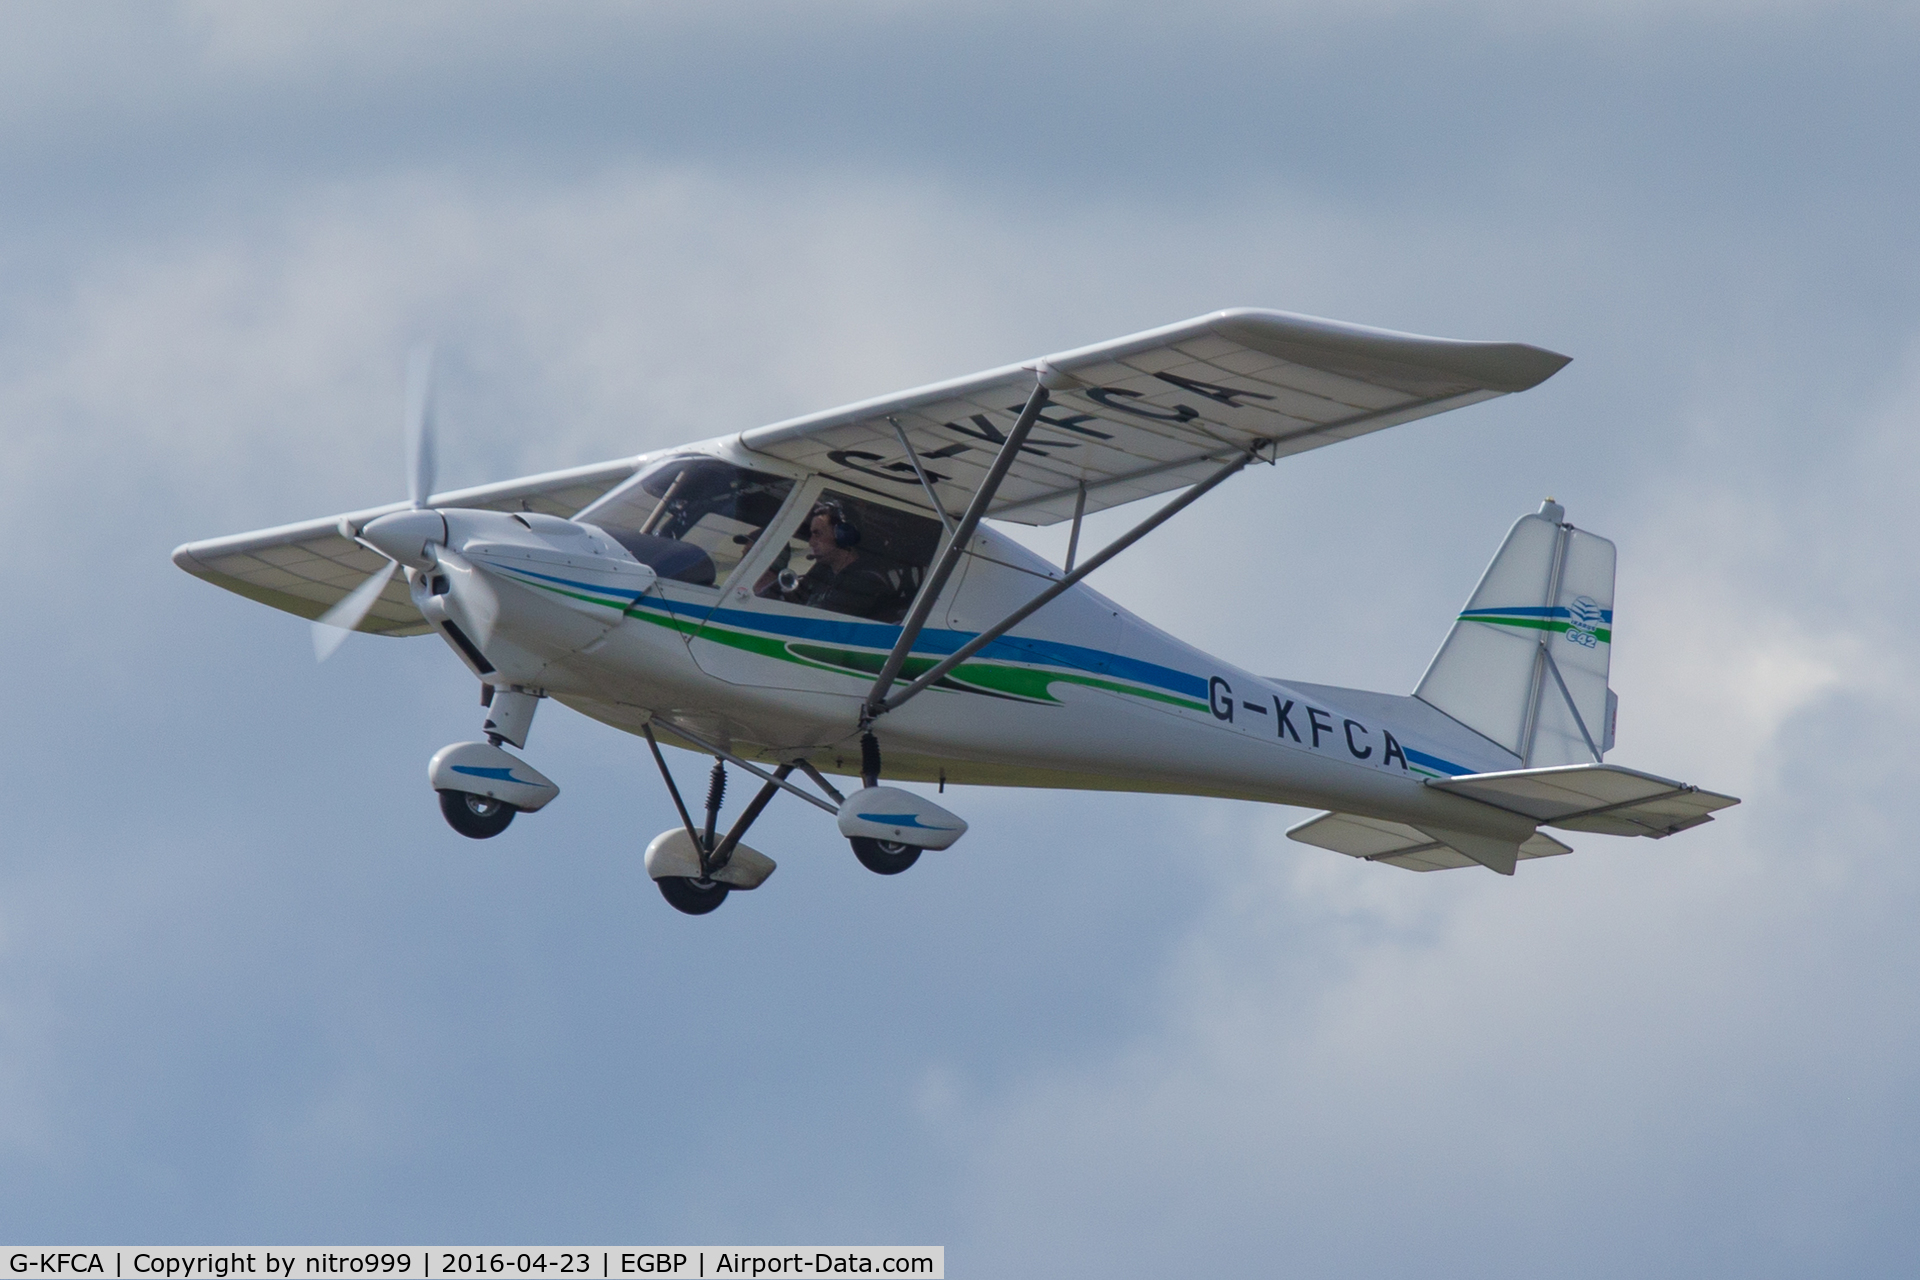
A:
(331, 629)
(420, 452)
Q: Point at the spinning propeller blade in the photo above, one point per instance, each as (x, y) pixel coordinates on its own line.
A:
(333, 627)
(420, 442)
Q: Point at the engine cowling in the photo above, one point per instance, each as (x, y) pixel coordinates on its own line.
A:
(513, 592)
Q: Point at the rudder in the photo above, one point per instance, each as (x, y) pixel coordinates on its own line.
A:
(1526, 661)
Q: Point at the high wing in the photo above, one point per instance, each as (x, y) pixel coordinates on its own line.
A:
(307, 568)
(1128, 418)
(1153, 412)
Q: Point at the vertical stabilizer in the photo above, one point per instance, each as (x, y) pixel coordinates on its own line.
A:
(1526, 661)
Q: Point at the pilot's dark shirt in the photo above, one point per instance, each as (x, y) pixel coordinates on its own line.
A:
(858, 589)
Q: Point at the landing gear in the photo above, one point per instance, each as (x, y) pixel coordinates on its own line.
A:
(694, 896)
(694, 867)
(482, 786)
(888, 828)
(884, 857)
(476, 817)
(875, 819)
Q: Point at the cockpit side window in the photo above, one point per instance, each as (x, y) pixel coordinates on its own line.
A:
(691, 519)
(848, 555)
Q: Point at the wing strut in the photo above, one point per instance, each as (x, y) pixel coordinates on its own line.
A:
(1073, 536)
(956, 547)
(1014, 619)
(913, 456)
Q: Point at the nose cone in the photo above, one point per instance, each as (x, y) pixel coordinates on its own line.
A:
(405, 536)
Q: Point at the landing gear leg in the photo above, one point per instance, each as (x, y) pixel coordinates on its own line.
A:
(509, 714)
(716, 794)
(695, 874)
(699, 893)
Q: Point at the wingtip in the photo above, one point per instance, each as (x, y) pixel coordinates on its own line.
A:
(1545, 362)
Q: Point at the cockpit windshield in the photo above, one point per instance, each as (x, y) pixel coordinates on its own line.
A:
(691, 519)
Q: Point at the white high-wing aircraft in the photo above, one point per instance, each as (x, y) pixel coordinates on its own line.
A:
(821, 597)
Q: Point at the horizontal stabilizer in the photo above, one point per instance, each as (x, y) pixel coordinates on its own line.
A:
(1377, 840)
(1489, 851)
(1604, 798)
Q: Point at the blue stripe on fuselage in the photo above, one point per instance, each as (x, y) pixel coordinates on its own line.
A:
(567, 582)
(879, 635)
(1436, 763)
(937, 643)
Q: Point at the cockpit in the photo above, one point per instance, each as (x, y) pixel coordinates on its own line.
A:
(691, 519)
(694, 519)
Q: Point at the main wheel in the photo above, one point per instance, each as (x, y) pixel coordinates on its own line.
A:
(476, 817)
(695, 897)
(884, 857)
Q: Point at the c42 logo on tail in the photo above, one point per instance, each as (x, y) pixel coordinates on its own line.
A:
(1583, 619)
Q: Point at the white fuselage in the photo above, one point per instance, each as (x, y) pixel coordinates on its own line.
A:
(1082, 694)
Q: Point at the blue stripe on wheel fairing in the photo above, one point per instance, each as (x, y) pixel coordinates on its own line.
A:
(498, 775)
(899, 820)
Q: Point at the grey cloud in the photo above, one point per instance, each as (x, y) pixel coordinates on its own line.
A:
(1453, 103)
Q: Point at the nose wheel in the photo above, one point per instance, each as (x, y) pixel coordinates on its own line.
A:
(476, 817)
(482, 786)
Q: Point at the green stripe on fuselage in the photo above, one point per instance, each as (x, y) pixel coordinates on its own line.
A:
(991, 679)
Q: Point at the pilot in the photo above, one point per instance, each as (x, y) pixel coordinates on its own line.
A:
(842, 578)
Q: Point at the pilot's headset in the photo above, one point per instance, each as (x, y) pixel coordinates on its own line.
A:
(846, 534)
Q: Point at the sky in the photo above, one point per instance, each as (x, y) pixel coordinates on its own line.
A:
(252, 989)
